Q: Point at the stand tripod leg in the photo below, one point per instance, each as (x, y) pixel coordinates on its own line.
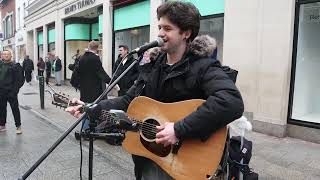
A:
(44, 156)
(91, 124)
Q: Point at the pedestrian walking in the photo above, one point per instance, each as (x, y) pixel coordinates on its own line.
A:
(11, 80)
(48, 70)
(41, 66)
(57, 70)
(28, 68)
(92, 74)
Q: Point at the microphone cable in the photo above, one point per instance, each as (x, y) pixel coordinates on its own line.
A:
(81, 157)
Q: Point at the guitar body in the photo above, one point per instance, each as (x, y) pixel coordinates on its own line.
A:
(195, 159)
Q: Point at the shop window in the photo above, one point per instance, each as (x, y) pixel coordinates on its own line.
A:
(214, 28)
(71, 49)
(306, 99)
(40, 50)
(132, 38)
(21, 53)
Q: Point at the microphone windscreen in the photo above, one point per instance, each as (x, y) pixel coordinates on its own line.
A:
(160, 41)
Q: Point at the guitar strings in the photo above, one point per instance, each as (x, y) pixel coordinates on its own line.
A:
(147, 128)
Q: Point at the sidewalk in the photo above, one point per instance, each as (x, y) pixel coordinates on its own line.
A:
(29, 99)
(273, 158)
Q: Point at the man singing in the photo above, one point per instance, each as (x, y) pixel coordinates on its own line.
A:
(180, 74)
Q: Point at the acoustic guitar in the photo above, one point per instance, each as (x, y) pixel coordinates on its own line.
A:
(188, 159)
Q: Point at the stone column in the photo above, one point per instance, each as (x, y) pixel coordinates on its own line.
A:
(107, 37)
(35, 48)
(45, 41)
(153, 18)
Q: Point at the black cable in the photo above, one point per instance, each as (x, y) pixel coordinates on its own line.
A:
(83, 121)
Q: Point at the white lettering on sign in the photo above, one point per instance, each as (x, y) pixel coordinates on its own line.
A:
(78, 5)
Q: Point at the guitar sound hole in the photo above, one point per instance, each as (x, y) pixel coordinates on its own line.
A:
(149, 129)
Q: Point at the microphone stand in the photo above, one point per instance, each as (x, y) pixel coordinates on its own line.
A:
(74, 125)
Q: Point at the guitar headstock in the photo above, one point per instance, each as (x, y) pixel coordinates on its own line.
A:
(60, 100)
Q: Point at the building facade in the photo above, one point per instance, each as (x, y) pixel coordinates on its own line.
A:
(8, 25)
(273, 44)
(21, 34)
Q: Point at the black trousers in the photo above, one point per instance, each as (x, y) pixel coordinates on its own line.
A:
(48, 75)
(145, 169)
(13, 101)
(27, 74)
(40, 72)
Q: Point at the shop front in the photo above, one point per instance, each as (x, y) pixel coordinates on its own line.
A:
(78, 33)
(20, 47)
(212, 21)
(128, 30)
(304, 106)
(40, 45)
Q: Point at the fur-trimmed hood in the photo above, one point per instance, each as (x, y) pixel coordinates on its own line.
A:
(203, 46)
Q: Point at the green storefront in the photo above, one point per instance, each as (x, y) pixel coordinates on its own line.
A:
(78, 32)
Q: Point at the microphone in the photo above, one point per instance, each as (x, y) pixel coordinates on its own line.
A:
(156, 43)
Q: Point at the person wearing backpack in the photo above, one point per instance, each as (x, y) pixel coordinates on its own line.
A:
(75, 77)
(91, 74)
(11, 80)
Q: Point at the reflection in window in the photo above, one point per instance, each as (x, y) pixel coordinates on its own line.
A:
(214, 28)
(306, 98)
(71, 50)
(132, 38)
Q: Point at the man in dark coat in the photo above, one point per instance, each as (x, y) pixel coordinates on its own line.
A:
(28, 68)
(48, 70)
(180, 73)
(92, 74)
(11, 80)
(128, 79)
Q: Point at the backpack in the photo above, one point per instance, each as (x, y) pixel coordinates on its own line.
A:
(236, 154)
(75, 77)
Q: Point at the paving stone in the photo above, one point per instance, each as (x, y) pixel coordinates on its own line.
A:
(273, 158)
(111, 176)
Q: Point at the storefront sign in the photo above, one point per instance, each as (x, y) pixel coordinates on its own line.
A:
(78, 5)
(311, 15)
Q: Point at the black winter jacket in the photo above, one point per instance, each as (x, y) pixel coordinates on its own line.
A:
(28, 65)
(128, 79)
(92, 75)
(11, 78)
(193, 77)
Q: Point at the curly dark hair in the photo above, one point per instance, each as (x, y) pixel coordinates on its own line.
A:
(183, 14)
